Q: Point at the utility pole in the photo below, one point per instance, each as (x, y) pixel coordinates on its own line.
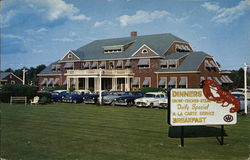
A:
(100, 85)
(245, 86)
(24, 71)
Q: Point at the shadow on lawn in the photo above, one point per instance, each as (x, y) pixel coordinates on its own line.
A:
(195, 132)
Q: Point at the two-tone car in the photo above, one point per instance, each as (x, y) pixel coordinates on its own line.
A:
(109, 99)
(75, 96)
(152, 99)
(94, 97)
(128, 100)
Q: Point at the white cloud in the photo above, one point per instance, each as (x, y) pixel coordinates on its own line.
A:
(12, 36)
(211, 7)
(227, 15)
(103, 23)
(63, 39)
(41, 30)
(141, 17)
(58, 9)
(197, 26)
(6, 18)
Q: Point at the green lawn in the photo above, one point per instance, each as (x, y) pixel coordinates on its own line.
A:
(86, 132)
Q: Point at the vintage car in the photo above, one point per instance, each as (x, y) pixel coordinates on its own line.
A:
(75, 96)
(94, 97)
(152, 99)
(241, 98)
(56, 96)
(128, 100)
(241, 91)
(109, 99)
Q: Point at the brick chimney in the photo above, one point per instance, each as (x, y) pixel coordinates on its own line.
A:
(133, 34)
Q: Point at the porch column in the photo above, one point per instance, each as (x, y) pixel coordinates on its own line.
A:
(114, 84)
(127, 84)
(68, 83)
(86, 83)
(77, 83)
(96, 83)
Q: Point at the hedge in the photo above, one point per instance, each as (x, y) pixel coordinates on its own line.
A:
(17, 90)
(148, 89)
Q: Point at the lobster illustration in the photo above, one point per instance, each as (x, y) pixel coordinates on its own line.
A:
(213, 92)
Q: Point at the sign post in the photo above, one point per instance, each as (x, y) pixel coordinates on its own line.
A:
(204, 106)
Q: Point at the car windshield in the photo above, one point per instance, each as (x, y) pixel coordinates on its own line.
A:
(149, 95)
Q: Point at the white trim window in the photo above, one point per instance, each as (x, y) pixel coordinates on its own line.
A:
(143, 63)
(183, 82)
(172, 82)
(144, 51)
(147, 82)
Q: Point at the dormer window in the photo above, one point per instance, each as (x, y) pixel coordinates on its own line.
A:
(70, 56)
(182, 48)
(144, 51)
(113, 49)
(172, 64)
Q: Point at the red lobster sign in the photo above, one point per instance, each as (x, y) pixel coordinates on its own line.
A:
(213, 92)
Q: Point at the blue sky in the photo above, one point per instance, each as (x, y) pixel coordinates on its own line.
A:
(37, 32)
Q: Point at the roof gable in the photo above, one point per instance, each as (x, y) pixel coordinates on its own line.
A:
(69, 56)
(144, 51)
(158, 43)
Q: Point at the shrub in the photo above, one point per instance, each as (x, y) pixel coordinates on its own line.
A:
(17, 90)
(148, 89)
(44, 97)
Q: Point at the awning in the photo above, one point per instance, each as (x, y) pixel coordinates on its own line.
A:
(86, 65)
(171, 62)
(209, 78)
(128, 64)
(207, 64)
(119, 64)
(146, 81)
(226, 79)
(143, 62)
(229, 80)
(65, 82)
(53, 67)
(172, 81)
(44, 81)
(94, 65)
(183, 81)
(136, 81)
(68, 65)
(213, 64)
(102, 64)
(56, 81)
(50, 82)
(164, 63)
(202, 79)
(217, 80)
(162, 81)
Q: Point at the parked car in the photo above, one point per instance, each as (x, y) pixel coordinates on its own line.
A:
(128, 100)
(241, 91)
(241, 97)
(94, 97)
(57, 96)
(152, 99)
(75, 96)
(109, 99)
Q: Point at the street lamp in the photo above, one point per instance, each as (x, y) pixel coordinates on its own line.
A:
(245, 85)
(100, 85)
(24, 71)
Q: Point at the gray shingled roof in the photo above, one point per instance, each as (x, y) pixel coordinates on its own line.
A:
(3, 75)
(48, 69)
(158, 42)
(190, 63)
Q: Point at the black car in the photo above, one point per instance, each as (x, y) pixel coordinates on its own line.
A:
(128, 100)
(93, 98)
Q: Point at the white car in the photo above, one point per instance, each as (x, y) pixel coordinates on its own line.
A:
(241, 91)
(152, 99)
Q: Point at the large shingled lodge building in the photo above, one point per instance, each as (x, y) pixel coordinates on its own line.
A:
(130, 63)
